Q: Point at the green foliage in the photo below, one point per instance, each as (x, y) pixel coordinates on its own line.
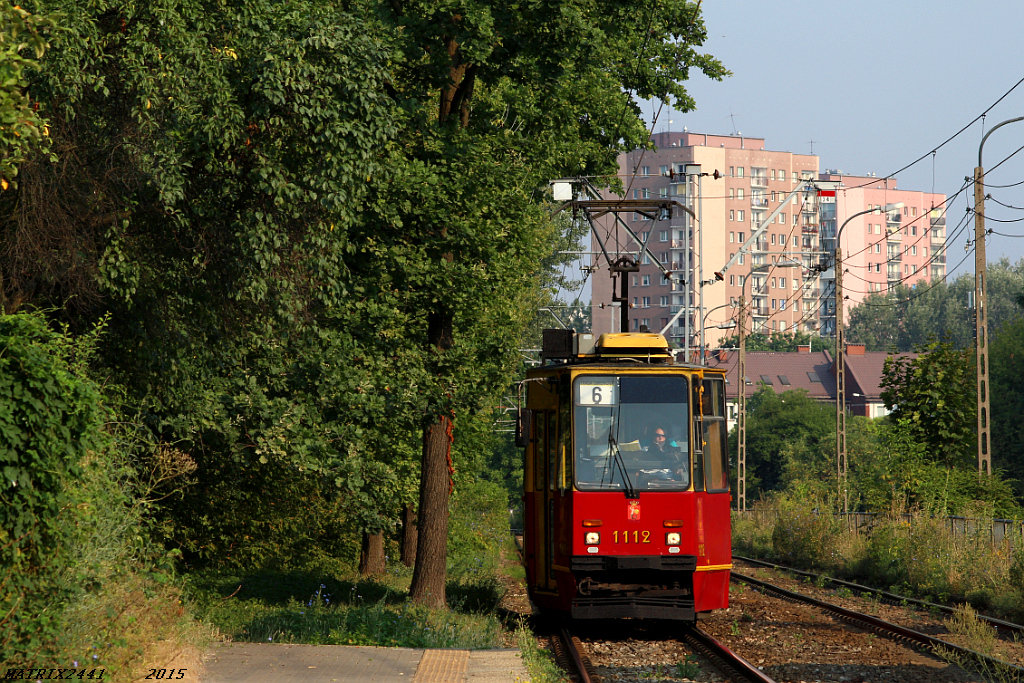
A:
(909, 316)
(926, 395)
(22, 130)
(759, 341)
(806, 534)
(1006, 394)
(51, 418)
(789, 437)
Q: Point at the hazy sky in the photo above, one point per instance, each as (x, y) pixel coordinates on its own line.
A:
(875, 85)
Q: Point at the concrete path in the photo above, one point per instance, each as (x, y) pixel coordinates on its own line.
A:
(277, 663)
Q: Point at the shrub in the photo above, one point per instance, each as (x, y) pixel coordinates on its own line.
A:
(50, 418)
(806, 533)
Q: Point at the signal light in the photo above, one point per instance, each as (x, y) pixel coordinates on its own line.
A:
(593, 538)
(672, 538)
(592, 522)
(672, 523)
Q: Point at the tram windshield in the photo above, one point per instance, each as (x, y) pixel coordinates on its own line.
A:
(632, 432)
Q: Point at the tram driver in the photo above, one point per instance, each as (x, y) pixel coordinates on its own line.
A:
(668, 455)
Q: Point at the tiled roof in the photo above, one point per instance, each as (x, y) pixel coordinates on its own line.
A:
(808, 371)
(864, 372)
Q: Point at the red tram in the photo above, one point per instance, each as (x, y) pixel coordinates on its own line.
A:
(627, 505)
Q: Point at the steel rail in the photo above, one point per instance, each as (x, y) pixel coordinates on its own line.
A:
(580, 662)
(718, 652)
(891, 597)
(880, 626)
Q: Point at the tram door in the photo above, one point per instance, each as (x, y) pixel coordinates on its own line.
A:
(544, 472)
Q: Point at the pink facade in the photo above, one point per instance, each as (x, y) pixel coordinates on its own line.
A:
(787, 277)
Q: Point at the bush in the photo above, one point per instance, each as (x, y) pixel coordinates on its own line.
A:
(50, 419)
(806, 533)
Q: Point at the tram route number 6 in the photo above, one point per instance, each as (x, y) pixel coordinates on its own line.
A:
(597, 394)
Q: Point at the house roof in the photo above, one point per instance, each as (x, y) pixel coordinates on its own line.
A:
(812, 372)
(783, 371)
(864, 372)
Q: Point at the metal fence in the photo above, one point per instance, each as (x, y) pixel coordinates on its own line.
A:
(998, 530)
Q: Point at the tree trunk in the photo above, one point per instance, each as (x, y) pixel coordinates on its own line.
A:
(428, 578)
(409, 535)
(371, 555)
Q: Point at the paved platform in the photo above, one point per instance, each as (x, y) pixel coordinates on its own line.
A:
(277, 663)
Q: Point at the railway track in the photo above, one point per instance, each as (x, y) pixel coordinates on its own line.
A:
(891, 598)
(937, 646)
(572, 656)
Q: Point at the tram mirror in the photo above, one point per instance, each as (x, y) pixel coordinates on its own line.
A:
(523, 422)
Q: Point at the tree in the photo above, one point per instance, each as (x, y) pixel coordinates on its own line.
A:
(497, 99)
(910, 315)
(22, 130)
(1006, 368)
(759, 341)
(789, 435)
(926, 394)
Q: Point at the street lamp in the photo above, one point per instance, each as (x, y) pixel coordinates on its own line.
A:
(981, 310)
(841, 464)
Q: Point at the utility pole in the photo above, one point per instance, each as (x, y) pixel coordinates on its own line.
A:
(981, 309)
(840, 379)
(741, 417)
(981, 320)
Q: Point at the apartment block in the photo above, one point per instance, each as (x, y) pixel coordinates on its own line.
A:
(785, 277)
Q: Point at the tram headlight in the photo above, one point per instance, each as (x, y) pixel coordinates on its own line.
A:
(593, 538)
(672, 538)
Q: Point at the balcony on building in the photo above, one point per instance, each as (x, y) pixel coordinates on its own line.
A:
(893, 235)
(758, 178)
(893, 218)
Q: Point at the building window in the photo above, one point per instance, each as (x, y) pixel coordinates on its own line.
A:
(636, 194)
(739, 192)
(664, 170)
(774, 284)
(739, 173)
(645, 235)
(782, 217)
(663, 192)
(773, 178)
(636, 323)
(739, 215)
(913, 231)
(635, 280)
(782, 328)
(635, 216)
(795, 219)
(732, 280)
(664, 301)
(647, 193)
(665, 280)
(878, 248)
(732, 171)
(773, 238)
(741, 259)
(647, 302)
(913, 250)
(646, 322)
(646, 281)
(742, 236)
(913, 211)
(774, 304)
(732, 193)
(782, 305)
(663, 236)
(646, 171)
(732, 215)
(732, 235)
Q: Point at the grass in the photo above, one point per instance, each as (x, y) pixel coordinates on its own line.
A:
(920, 557)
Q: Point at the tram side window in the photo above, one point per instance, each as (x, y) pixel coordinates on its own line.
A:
(539, 441)
(716, 457)
(552, 445)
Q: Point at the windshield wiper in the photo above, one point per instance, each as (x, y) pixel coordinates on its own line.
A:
(613, 446)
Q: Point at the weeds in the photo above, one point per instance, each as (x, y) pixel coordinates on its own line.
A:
(540, 663)
(690, 668)
(916, 554)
